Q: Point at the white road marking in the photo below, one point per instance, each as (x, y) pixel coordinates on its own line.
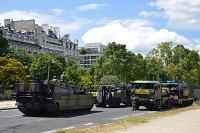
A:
(7, 110)
(150, 112)
(10, 116)
(138, 114)
(120, 118)
(88, 124)
(53, 131)
(67, 128)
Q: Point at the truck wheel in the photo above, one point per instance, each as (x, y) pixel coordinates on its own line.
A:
(171, 104)
(103, 105)
(118, 102)
(168, 104)
(156, 106)
(137, 107)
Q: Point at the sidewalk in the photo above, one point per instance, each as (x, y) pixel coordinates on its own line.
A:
(7, 105)
(184, 122)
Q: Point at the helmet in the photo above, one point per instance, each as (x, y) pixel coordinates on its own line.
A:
(64, 72)
(54, 76)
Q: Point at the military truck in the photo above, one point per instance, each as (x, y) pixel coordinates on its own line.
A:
(149, 94)
(180, 93)
(112, 96)
(54, 97)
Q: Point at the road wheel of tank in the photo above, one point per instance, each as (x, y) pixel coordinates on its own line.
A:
(57, 109)
(156, 106)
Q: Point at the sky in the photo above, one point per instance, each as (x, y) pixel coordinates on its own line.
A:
(140, 24)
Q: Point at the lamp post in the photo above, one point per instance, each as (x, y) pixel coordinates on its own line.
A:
(49, 67)
(48, 70)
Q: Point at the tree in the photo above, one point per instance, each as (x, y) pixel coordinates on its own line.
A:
(83, 51)
(11, 71)
(44, 65)
(155, 67)
(86, 79)
(59, 57)
(139, 68)
(72, 73)
(3, 43)
(109, 80)
(22, 56)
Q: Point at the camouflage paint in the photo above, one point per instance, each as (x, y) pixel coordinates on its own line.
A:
(37, 96)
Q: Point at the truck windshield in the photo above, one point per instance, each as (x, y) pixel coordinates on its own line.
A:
(170, 85)
(143, 86)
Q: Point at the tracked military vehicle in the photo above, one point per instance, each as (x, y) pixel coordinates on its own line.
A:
(180, 93)
(56, 98)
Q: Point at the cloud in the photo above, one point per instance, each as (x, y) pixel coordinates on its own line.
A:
(147, 14)
(182, 14)
(138, 39)
(57, 12)
(90, 6)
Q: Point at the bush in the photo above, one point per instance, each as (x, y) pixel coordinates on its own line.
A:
(5, 97)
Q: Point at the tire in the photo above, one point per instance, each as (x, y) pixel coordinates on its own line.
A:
(156, 106)
(137, 107)
(168, 104)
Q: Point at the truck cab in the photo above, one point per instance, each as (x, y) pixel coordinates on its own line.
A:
(148, 94)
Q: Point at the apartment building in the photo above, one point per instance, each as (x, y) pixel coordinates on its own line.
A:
(27, 35)
(88, 59)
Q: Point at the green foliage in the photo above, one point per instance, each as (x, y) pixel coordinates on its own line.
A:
(83, 51)
(88, 51)
(3, 43)
(40, 65)
(5, 97)
(72, 73)
(59, 57)
(109, 80)
(23, 57)
(85, 78)
(11, 71)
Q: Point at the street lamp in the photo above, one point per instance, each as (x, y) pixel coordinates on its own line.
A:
(49, 67)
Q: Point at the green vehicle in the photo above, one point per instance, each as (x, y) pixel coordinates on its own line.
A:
(56, 98)
(149, 94)
(113, 96)
(180, 93)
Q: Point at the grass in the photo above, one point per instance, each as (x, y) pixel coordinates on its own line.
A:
(126, 123)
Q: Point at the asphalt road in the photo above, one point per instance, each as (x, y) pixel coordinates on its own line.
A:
(13, 121)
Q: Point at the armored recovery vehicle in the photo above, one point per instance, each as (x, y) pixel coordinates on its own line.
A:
(149, 94)
(55, 97)
(180, 93)
(112, 96)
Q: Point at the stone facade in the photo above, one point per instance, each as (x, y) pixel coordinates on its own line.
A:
(27, 25)
(27, 35)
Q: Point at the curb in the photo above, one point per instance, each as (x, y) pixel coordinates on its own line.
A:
(8, 108)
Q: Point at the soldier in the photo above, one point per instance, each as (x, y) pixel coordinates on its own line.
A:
(54, 78)
(133, 100)
(63, 78)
